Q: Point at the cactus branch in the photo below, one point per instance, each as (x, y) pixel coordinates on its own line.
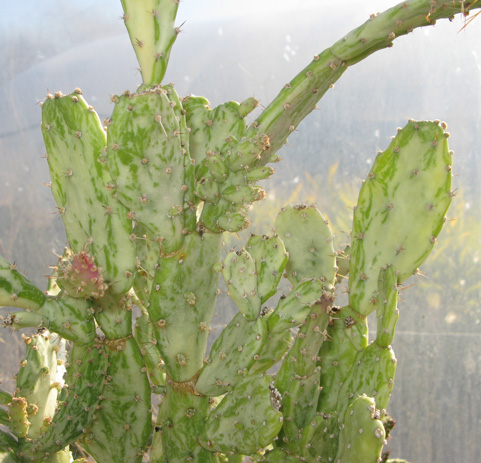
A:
(300, 96)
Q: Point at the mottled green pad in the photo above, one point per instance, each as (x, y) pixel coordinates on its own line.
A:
(387, 311)
(152, 33)
(270, 256)
(293, 309)
(122, 425)
(182, 303)
(232, 354)
(298, 379)
(299, 398)
(347, 336)
(309, 241)
(401, 210)
(249, 153)
(207, 189)
(273, 349)
(242, 194)
(180, 425)
(8, 448)
(144, 334)
(223, 216)
(259, 173)
(16, 290)
(372, 374)
(190, 206)
(213, 131)
(362, 435)
(312, 334)
(70, 317)
(18, 417)
(146, 158)
(148, 253)
(36, 381)
(246, 419)
(240, 275)
(93, 218)
(113, 314)
(65, 316)
(281, 455)
(84, 384)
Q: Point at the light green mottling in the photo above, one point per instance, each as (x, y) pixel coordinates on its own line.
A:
(94, 220)
(245, 420)
(150, 24)
(16, 290)
(182, 303)
(240, 276)
(232, 355)
(122, 425)
(146, 159)
(362, 435)
(400, 211)
(310, 243)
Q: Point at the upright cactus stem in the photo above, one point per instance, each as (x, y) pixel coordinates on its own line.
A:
(150, 24)
(145, 202)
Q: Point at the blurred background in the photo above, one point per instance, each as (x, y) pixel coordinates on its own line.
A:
(231, 50)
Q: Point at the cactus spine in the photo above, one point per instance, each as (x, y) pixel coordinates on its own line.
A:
(145, 203)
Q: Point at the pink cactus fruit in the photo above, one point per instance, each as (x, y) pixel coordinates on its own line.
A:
(79, 276)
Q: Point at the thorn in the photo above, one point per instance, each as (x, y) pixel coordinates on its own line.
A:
(178, 29)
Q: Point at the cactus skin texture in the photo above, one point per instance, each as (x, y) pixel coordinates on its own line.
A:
(393, 203)
(145, 202)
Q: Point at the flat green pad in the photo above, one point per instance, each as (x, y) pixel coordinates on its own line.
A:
(8, 448)
(293, 309)
(240, 276)
(146, 157)
(270, 257)
(362, 434)
(16, 290)
(400, 211)
(84, 385)
(180, 424)
(122, 424)
(281, 455)
(94, 220)
(182, 303)
(152, 33)
(273, 349)
(387, 312)
(144, 334)
(232, 354)
(37, 381)
(246, 420)
(309, 241)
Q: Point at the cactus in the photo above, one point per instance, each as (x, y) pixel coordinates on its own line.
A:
(145, 202)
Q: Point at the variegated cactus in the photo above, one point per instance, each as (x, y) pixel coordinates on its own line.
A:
(145, 202)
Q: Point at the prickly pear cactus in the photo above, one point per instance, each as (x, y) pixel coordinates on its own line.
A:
(145, 202)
